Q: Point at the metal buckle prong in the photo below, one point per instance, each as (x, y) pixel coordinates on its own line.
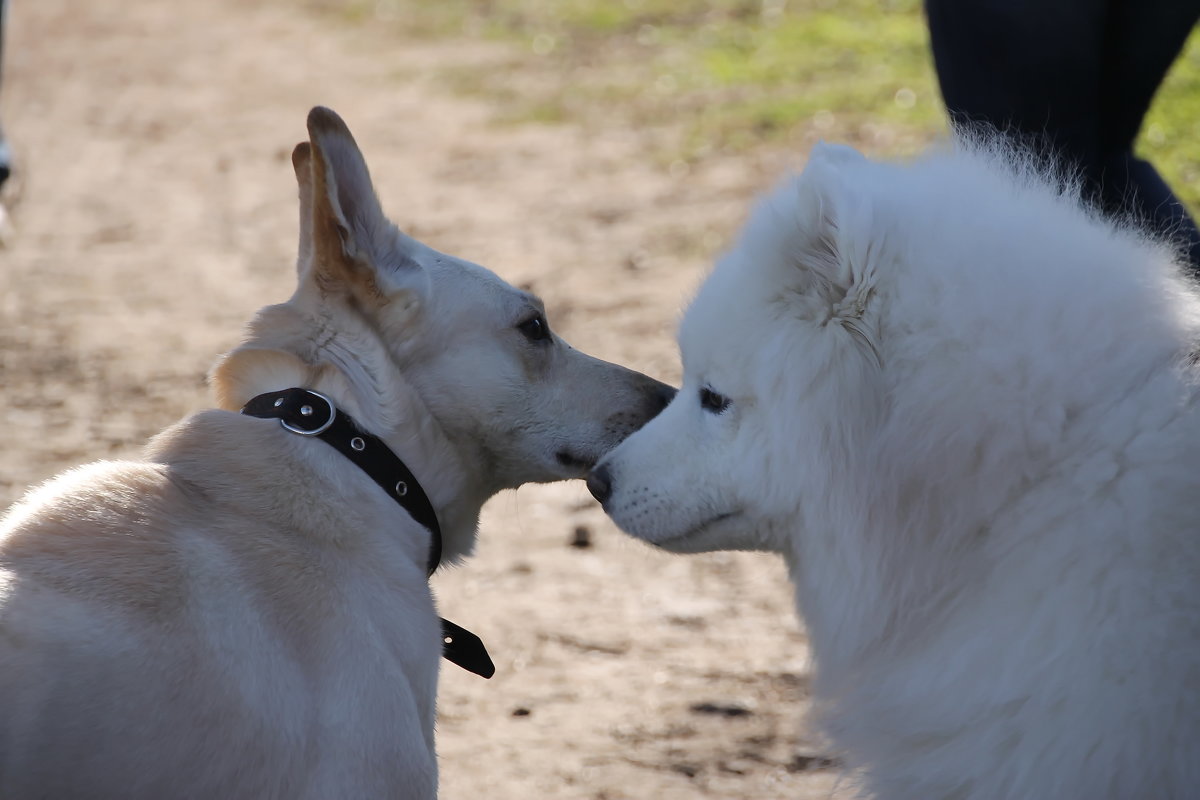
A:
(324, 425)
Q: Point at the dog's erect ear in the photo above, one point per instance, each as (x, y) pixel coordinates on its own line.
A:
(831, 212)
(349, 235)
(302, 164)
(839, 243)
(836, 154)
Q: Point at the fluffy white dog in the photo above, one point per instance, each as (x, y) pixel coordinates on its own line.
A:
(965, 410)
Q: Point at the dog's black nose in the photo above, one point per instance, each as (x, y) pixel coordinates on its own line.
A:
(600, 484)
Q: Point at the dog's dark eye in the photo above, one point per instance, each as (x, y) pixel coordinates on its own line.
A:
(713, 402)
(535, 329)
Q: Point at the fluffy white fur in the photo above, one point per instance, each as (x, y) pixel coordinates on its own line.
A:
(964, 409)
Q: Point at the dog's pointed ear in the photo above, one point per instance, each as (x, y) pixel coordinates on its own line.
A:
(349, 235)
(302, 164)
(831, 153)
(831, 210)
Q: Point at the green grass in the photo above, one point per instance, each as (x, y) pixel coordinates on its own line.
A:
(1170, 137)
(728, 75)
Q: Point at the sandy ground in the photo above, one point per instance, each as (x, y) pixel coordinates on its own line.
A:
(158, 212)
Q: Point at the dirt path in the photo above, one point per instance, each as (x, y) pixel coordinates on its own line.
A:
(158, 213)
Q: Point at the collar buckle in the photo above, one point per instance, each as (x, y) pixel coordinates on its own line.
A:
(306, 410)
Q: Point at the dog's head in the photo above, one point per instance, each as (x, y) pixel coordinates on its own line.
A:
(903, 341)
(775, 347)
(455, 368)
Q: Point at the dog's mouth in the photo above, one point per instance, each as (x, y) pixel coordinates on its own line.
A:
(575, 462)
(680, 540)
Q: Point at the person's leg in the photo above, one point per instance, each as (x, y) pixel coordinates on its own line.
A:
(1026, 67)
(1144, 39)
(1073, 78)
(5, 153)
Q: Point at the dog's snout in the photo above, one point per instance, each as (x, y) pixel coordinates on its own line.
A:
(599, 483)
(662, 397)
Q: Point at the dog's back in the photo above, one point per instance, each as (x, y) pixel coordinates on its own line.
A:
(149, 609)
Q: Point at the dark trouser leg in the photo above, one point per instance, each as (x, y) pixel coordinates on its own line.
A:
(1027, 67)
(1145, 37)
(1133, 186)
(1074, 77)
(5, 154)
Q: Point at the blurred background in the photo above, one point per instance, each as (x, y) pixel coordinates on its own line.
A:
(598, 153)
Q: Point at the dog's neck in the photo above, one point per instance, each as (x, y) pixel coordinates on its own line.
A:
(417, 439)
(899, 551)
(453, 486)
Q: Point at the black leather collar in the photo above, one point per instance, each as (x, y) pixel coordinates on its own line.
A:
(311, 414)
(308, 413)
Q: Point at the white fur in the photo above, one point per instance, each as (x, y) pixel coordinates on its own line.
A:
(964, 409)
